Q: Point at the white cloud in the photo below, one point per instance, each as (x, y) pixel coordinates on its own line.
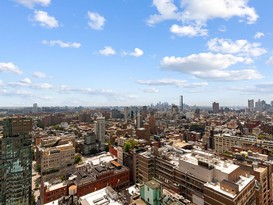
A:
(14, 93)
(270, 61)
(32, 3)
(167, 10)
(42, 86)
(178, 83)
(242, 47)
(188, 30)
(258, 35)
(26, 81)
(201, 11)
(196, 12)
(97, 92)
(150, 90)
(266, 87)
(39, 74)
(107, 50)
(9, 67)
(137, 53)
(45, 20)
(96, 21)
(62, 44)
(175, 82)
(211, 66)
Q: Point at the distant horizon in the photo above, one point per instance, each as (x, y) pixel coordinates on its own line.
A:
(116, 106)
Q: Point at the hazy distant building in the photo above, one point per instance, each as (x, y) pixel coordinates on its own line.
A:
(126, 113)
(259, 106)
(251, 105)
(15, 161)
(181, 102)
(174, 109)
(139, 121)
(35, 108)
(215, 107)
(100, 129)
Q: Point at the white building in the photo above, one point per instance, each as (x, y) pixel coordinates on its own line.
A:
(100, 129)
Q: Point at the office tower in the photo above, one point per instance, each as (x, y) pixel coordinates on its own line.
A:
(251, 105)
(100, 129)
(259, 106)
(35, 108)
(15, 161)
(126, 113)
(181, 102)
(139, 121)
(215, 107)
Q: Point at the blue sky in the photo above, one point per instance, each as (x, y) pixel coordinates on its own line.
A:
(135, 52)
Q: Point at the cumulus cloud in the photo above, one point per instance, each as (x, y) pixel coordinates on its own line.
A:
(211, 66)
(270, 61)
(32, 3)
(137, 52)
(25, 81)
(45, 20)
(62, 44)
(202, 11)
(39, 74)
(175, 82)
(196, 12)
(107, 50)
(9, 67)
(167, 10)
(241, 47)
(188, 30)
(258, 35)
(96, 21)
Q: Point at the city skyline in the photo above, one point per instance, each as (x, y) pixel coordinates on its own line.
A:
(93, 53)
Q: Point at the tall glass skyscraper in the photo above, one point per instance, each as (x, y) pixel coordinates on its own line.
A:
(15, 161)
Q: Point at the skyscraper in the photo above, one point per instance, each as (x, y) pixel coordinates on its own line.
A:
(181, 102)
(100, 129)
(251, 105)
(215, 107)
(15, 161)
(35, 108)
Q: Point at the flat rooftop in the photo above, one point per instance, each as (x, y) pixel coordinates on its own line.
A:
(97, 198)
(243, 182)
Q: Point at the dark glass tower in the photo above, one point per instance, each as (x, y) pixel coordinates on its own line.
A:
(15, 161)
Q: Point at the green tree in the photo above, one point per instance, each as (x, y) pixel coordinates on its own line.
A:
(78, 158)
(130, 144)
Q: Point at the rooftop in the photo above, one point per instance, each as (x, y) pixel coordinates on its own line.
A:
(242, 182)
(153, 184)
(98, 197)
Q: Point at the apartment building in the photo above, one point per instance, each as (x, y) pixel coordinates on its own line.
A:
(57, 158)
(190, 173)
(223, 142)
